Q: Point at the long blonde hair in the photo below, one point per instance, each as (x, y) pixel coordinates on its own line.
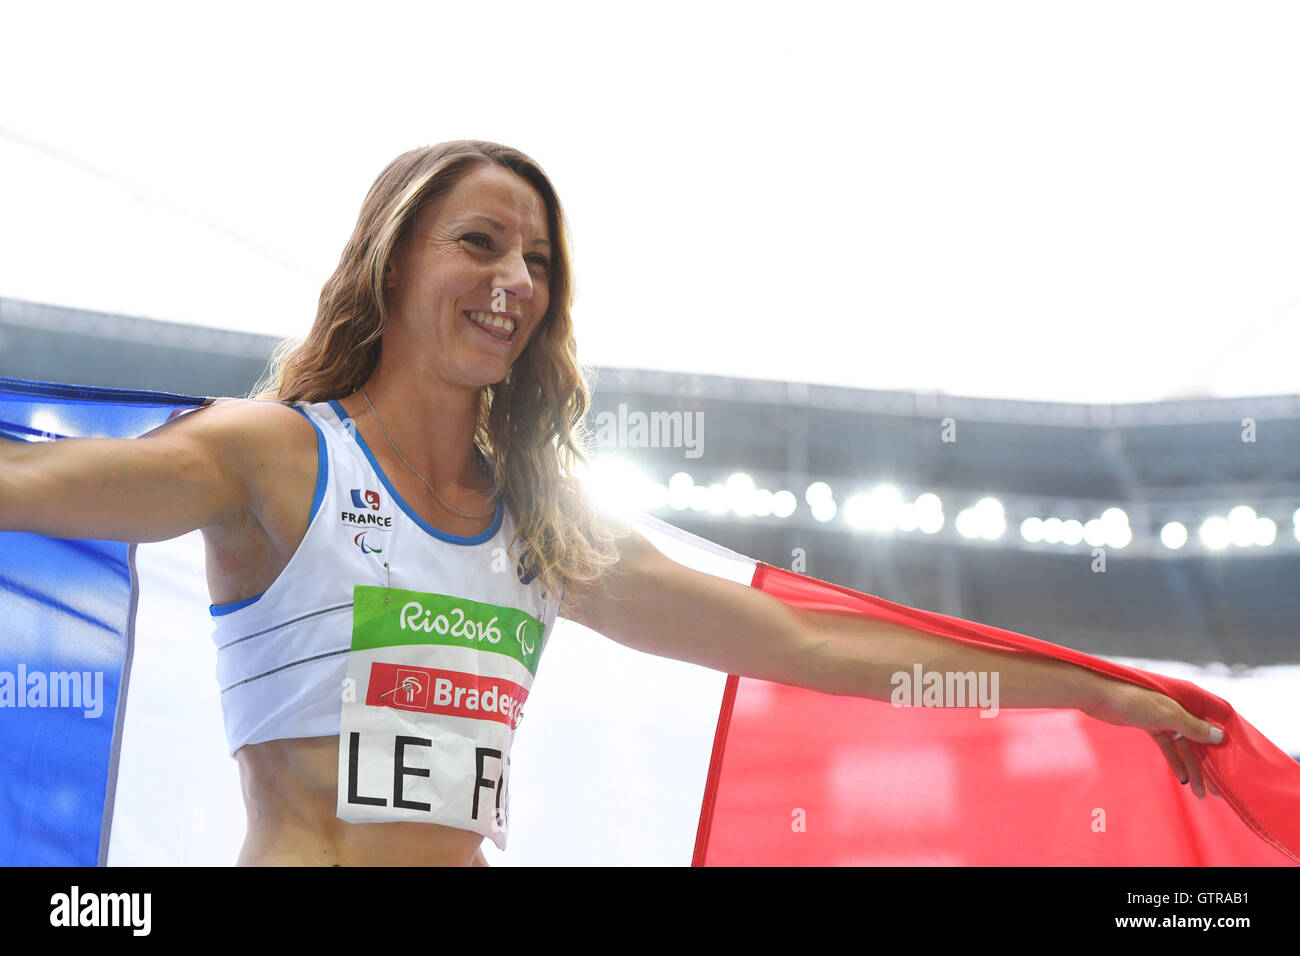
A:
(530, 424)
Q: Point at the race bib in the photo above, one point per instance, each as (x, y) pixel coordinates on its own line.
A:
(436, 687)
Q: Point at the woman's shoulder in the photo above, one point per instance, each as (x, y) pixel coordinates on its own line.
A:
(253, 412)
(272, 450)
(252, 428)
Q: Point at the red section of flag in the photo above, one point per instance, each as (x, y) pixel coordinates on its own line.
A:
(802, 778)
(430, 691)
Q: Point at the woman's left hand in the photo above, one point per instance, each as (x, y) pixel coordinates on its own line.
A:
(1128, 705)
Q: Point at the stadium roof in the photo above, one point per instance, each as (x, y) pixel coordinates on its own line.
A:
(1179, 461)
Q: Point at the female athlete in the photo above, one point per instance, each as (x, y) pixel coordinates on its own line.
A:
(356, 514)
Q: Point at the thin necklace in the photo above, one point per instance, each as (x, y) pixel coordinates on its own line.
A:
(412, 470)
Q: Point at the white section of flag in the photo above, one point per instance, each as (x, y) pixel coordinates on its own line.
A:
(607, 769)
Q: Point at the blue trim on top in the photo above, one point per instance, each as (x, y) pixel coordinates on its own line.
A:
(486, 535)
(216, 610)
(322, 466)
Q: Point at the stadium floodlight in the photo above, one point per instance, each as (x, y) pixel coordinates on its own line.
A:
(1095, 532)
(1215, 534)
(679, 490)
(1031, 529)
(1052, 530)
(700, 498)
(617, 485)
(992, 518)
(1119, 537)
(929, 520)
(824, 509)
(857, 512)
(783, 504)
(886, 507)
(928, 502)
(1114, 517)
(1114, 522)
(655, 497)
(1265, 532)
(878, 510)
(1173, 535)
(1241, 525)
(740, 494)
(817, 491)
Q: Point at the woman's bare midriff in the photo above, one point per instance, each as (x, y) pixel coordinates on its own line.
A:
(291, 793)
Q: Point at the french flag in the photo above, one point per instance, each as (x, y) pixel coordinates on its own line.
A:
(623, 757)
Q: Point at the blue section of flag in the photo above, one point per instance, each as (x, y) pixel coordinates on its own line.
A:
(356, 498)
(67, 613)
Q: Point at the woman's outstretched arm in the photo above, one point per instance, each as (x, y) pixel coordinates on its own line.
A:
(653, 604)
(192, 472)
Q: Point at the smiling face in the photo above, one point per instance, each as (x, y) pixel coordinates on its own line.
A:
(468, 286)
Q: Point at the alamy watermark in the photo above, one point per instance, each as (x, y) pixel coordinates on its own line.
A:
(83, 690)
(947, 689)
(75, 908)
(637, 429)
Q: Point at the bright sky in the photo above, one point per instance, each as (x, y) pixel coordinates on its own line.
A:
(1067, 201)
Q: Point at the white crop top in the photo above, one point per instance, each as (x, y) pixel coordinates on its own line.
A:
(379, 611)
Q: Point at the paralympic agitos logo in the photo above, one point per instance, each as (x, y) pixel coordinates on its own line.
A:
(360, 542)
